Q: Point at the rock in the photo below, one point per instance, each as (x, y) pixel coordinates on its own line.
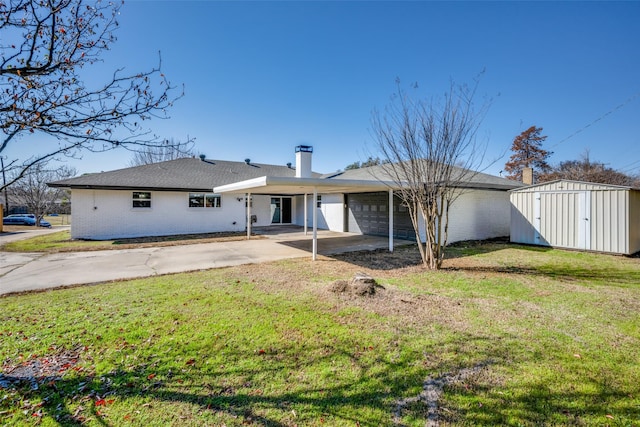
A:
(363, 278)
(361, 285)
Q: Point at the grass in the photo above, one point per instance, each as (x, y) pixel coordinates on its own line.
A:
(61, 241)
(552, 338)
(60, 219)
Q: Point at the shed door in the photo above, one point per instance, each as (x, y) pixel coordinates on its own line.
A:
(584, 219)
(563, 218)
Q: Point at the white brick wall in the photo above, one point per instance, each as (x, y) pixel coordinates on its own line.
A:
(329, 216)
(480, 214)
(108, 214)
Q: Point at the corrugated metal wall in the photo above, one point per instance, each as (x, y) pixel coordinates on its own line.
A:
(577, 215)
(634, 221)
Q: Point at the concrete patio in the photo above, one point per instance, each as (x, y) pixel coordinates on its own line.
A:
(20, 272)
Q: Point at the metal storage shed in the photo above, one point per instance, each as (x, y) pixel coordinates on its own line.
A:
(577, 215)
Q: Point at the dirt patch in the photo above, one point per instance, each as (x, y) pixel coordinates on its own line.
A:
(186, 238)
(382, 259)
(328, 280)
(432, 390)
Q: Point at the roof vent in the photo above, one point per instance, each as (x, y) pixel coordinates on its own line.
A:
(202, 157)
(247, 161)
(289, 165)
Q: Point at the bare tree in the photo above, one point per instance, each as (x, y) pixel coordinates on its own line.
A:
(587, 170)
(169, 150)
(32, 191)
(429, 152)
(45, 46)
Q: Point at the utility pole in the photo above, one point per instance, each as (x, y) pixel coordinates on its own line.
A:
(4, 184)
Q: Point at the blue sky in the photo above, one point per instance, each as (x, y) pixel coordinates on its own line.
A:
(263, 77)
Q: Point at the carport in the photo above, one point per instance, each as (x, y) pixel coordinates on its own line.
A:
(294, 186)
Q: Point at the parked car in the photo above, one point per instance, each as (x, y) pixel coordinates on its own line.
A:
(24, 219)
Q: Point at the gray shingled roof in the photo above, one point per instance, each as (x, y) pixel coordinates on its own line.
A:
(188, 174)
(478, 179)
(193, 174)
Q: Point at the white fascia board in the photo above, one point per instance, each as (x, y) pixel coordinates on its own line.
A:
(292, 185)
(241, 186)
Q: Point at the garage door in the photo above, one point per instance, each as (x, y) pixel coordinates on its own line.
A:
(368, 213)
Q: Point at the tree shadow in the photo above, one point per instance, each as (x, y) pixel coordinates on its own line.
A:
(539, 405)
(75, 397)
(70, 395)
(565, 273)
(408, 256)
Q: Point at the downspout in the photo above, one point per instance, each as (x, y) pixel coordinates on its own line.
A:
(4, 184)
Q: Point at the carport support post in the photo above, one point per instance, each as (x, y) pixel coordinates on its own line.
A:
(314, 251)
(390, 220)
(248, 216)
(305, 214)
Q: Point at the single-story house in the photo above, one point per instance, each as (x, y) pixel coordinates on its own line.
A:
(577, 215)
(197, 195)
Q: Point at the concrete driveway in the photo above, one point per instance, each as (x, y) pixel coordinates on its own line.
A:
(21, 272)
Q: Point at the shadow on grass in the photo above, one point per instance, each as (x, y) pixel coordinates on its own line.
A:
(538, 405)
(229, 393)
(238, 396)
(566, 273)
(409, 256)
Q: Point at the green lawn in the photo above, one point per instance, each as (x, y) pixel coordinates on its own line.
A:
(543, 337)
(60, 219)
(61, 241)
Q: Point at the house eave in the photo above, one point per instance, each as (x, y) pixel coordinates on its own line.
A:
(130, 188)
(292, 186)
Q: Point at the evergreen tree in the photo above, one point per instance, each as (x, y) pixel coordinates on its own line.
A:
(528, 153)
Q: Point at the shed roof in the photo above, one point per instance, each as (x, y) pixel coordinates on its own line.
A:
(573, 185)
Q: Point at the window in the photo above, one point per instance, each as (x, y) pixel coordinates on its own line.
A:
(319, 201)
(141, 199)
(212, 201)
(202, 200)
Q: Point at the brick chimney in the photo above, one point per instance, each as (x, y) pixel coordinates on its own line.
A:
(303, 161)
(527, 176)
